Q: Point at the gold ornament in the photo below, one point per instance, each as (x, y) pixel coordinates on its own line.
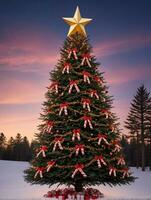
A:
(77, 24)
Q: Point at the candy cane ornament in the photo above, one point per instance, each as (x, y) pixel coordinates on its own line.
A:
(106, 112)
(112, 170)
(57, 142)
(42, 151)
(79, 168)
(93, 93)
(39, 170)
(48, 127)
(50, 164)
(73, 83)
(54, 86)
(78, 148)
(63, 107)
(121, 161)
(86, 104)
(101, 138)
(72, 51)
(117, 146)
(125, 173)
(86, 76)
(100, 160)
(98, 79)
(66, 68)
(86, 59)
(87, 120)
(76, 134)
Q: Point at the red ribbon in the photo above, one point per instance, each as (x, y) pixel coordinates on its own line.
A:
(44, 148)
(50, 123)
(86, 101)
(86, 55)
(85, 118)
(59, 139)
(76, 131)
(86, 73)
(72, 82)
(79, 166)
(102, 136)
(65, 104)
(79, 146)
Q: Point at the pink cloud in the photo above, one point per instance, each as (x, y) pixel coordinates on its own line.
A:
(21, 50)
(24, 123)
(118, 75)
(15, 91)
(121, 44)
(30, 59)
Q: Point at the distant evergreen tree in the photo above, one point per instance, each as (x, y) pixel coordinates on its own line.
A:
(9, 152)
(138, 120)
(17, 150)
(25, 149)
(125, 145)
(2, 145)
(33, 147)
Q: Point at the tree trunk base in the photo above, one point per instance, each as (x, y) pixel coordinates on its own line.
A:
(78, 186)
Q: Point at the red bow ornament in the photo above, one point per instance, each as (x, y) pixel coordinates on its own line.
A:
(125, 172)
(72, 51)
(86, 59)
(79, 168)
(106, 112)
(103, 138)
(87, 120)
(86, 76)
(76, 134)
(93, 93)
(78, 148)
(57, 142)
(112, 170)
(63, 107)
(39, 170)
(54, 86)
(98, 79)
(100, 160)
(117, 146)
(48, 127)
(50, 164)
(121, 161)
(42, 151)
(73, 83)
(86, 104)
(66, 68)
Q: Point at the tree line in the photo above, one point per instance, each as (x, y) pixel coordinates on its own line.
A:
(17, 149)
(136, 144)
(20, 149)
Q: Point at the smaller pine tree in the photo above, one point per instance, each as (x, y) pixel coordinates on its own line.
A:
(139, 120)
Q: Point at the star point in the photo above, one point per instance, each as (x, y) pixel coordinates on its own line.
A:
(77, 23)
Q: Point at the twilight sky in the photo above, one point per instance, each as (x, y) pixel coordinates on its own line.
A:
(31, 34)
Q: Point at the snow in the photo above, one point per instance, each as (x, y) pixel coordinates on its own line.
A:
(13, 187)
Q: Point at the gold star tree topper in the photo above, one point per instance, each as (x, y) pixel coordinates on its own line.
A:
(77, 23)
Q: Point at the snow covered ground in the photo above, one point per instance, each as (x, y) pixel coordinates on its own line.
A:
(13, 187)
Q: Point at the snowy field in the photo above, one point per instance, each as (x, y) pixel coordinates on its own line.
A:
(13, 187)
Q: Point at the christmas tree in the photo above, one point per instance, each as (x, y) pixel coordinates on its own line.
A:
(78, 140)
